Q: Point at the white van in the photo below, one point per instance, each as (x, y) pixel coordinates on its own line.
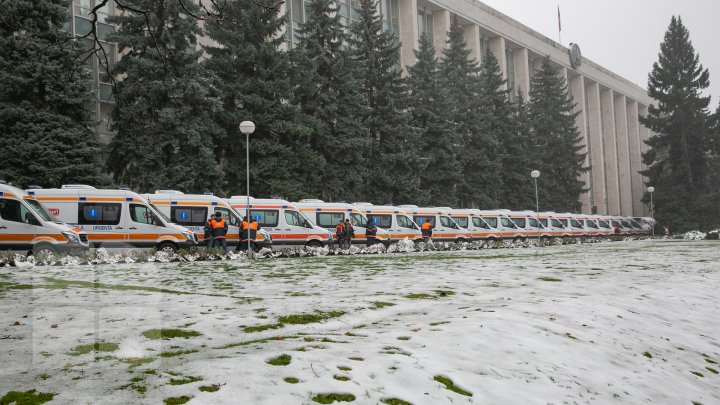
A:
(472, 220)
(444, 228)
(529, 221)
(193, 210)
(501, 221)
(396, 221)
(328, 215)
(287, 226)
(26, 225)
(114, 218)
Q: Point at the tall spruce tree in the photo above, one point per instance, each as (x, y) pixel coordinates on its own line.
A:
(392, 153)
(331, 95)
(439, 169)
(44, 122)
(558, 140)
(519, 153)
(498, 127)
(677, 160)
(256, 80)
(164, 137)
(472, 143)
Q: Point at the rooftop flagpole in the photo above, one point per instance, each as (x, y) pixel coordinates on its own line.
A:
(559, 25)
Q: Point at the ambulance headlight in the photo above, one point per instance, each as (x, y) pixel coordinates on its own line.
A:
(71, 237)
(188, 236)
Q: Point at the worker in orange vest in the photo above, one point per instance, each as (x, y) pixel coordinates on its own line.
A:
(426, 230)
(248, 234)
(340, 233)
(219, 230)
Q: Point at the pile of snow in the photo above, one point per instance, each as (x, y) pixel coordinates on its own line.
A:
(694, 235)
(713, 235)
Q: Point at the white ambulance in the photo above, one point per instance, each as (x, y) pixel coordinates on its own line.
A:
(548, 219)
(394, 220)
(328, 215)
(114, 218)
(444, 228)
(472, 220)
(193, 210)
(501, 221)
(287, 226)
(26, 225)
(571, 223)
(529, 222)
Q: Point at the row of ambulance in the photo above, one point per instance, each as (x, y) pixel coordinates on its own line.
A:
(77, 217)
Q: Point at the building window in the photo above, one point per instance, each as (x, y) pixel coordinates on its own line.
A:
(389, 11)
(425, 23)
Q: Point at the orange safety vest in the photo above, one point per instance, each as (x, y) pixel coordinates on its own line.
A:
(218, 224)
(425, 229)
(339, 228)
(254, 225)
(244, 225)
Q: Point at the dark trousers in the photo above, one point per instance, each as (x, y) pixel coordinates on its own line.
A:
(371, 241)
(221, 243)
(210, 242)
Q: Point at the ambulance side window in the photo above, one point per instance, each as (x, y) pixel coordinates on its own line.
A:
(265, 218)
(447, 222)
(358, 220)
(555, 223)
(533, 223)
(478, 222)
(492, 221)
(143, 215)
(230, 218)
(92, 213)
(15, 211)
(519, 222)
(293, 218)
(544, 222)
(383, 221)
(329, 219)
(189, 216)
(405, 222)
(421, 219)
(462, 221)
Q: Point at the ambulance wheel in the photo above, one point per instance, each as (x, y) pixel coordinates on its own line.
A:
(43, 249)
(313, 244)
(167, 247)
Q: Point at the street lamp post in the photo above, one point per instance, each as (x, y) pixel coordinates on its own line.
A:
(651, 190)
(535, 174)
(247, 128)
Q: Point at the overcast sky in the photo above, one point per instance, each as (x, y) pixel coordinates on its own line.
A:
(624, 35)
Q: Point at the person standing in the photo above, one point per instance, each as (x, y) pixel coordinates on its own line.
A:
(371, 234)
(340, 234)
(349, 233)
(208, 233)
(219, 231)
(426, 230)
(248, 234)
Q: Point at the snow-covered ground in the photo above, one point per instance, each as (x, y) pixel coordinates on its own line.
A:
(624, 322)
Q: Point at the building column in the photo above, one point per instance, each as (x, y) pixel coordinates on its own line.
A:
(441, 28)
(644, 135)
(497, 47)
(597, 153)
(610, 143)
(623, 150)
(407, 19)
(522, 71)
(578, 95)
(635, 158)
(472, 41)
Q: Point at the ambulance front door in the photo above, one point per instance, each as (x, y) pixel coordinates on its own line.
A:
(18, 226)
(144, 228)
(297, 228)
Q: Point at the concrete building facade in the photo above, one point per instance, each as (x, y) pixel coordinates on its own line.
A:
(609, 106)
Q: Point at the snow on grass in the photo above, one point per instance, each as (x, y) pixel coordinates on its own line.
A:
(626, 322)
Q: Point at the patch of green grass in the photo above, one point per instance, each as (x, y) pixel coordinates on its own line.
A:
(356, 358)
(419, 296)
(395, 401)
(381, 304)
(712, 370)
(403, 338)
(697, 374)
(93, 347)
(150, 371)
(291, 380)
(438, 323)
(209, 388)
(711, 361)
(551, 279)
(184, 380)
(341, 378)
(155, 334)
(333, 397)
(58, 283)
(449, 384)
(177, 353)
(281, 360)
(344, 368)
(300, 319)
(177, 400)
(260, 328)
(648, 355)
(444, 293)
(137, 379)
(31, 397)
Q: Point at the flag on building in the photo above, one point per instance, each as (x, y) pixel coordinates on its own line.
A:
(559, 25)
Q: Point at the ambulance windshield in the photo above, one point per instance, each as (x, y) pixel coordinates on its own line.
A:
(40, 210)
